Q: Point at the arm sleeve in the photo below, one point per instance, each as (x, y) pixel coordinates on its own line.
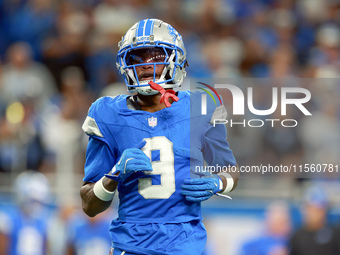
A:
(216, 149)
(100, 155)
(99, 160)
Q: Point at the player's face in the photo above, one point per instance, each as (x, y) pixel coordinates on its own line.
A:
(147, 57)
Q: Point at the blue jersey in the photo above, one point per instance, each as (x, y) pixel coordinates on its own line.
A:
(89, 236)
(266, 245)
(26, 235)
(155, 197)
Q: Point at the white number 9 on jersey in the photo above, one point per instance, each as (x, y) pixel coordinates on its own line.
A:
(163, 167)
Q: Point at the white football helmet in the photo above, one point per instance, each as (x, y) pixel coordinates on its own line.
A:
(150, 43)
(32, 192)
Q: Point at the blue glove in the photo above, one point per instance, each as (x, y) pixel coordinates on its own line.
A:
(197, 190)
(132, 160)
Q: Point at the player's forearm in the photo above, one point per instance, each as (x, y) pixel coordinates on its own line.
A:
(235, 175)
(91, 204)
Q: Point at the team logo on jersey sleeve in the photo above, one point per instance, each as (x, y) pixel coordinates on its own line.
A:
(152, 121)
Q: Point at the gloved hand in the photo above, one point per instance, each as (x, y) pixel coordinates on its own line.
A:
(200, 189)
(132, 160)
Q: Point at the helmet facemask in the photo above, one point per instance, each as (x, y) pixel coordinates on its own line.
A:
(159, 57)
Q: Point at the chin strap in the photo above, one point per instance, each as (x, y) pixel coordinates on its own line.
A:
(166, 94)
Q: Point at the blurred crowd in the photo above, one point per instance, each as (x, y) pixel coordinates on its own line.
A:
(57, 57)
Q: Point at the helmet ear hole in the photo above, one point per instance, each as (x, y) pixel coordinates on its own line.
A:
(168, 77)
(130, 81)
(169, 52)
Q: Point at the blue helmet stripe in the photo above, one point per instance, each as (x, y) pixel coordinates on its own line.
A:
(148, 27)
(140, 28)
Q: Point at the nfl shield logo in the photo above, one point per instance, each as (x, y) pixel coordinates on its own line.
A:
(152, 121)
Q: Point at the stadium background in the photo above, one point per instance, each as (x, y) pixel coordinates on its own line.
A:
(56, 57)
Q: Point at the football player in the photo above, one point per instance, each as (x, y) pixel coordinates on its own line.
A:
(24, 226)
(143, 146)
